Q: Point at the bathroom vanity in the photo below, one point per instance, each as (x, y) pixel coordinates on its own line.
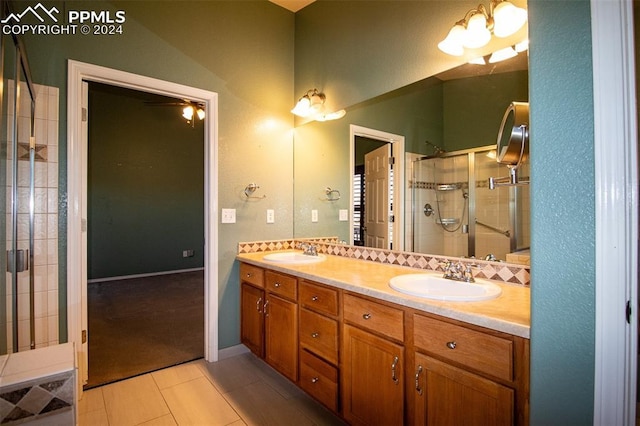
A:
(374, 355)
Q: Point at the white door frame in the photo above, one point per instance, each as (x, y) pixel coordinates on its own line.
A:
(77, 195)
(398, 176)
(616, 203)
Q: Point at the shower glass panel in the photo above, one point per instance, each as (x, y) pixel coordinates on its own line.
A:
(456, 214)
(18, 199)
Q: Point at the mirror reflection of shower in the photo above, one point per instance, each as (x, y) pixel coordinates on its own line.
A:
(455, 213)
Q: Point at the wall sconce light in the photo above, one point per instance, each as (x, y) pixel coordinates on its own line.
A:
(311, 105)
(474, 30)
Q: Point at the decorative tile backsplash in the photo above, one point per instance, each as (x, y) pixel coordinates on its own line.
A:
(37, 399)
(505, 272)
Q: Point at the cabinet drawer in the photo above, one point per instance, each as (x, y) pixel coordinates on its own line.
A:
(319, 379)
(283, 285)
(318, 298)
(252, 274)
(374, 316)
(483, 352)
(319, 334)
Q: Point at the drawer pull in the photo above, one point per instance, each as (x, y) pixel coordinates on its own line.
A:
(366, 316)
(315, 335)
(314, 299)
(258, 305)
(276, 284)
(418, 388)
(394, 376)
(315, 380)
(451, 345)
(249, 274)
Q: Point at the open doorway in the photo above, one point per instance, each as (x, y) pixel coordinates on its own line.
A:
(78, 74)
(145, 233)
(377, 160)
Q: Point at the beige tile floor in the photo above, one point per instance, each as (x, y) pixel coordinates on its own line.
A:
(241, 390)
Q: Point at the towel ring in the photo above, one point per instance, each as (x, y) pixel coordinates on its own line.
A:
(331, 194)
(250, 189)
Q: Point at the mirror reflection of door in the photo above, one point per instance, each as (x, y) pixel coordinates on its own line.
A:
(378, 199)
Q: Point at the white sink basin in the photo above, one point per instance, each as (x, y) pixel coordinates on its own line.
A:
(293, 257)
(433, 286)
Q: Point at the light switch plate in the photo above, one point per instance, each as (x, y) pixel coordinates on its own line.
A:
(314, 215)
(228, 216)
(271, 216)
(343, 215)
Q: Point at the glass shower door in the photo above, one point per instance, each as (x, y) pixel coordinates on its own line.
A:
(17, 172)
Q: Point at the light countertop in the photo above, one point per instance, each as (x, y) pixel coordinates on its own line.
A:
(509, 313)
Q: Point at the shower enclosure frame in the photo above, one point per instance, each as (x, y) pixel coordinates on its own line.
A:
(514, 232)
(18, 260)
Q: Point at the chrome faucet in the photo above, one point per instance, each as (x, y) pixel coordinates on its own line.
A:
(457, 271)
(308, 249)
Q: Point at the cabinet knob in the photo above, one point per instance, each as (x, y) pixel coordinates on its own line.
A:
(276, 285)
(315, 380)
(314, 299)
(249, 275)
(315, 335)
(451, 345)
(366, 316)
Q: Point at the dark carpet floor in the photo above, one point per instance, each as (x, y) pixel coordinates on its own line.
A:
(141, 325)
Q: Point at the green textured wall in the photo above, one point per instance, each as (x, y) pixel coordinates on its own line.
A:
(146, 185)
(562, 213)
(242, 50)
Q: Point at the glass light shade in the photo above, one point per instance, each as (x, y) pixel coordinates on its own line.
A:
(187, 112)
(476, 34)
(316, 103)
(302, 107)
(522, 46)
(200, 113)
(332, 116)
(478, 61)
(507, 19)
(502, 55)
(452, 44)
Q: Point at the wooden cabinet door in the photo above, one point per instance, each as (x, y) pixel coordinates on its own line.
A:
(446, 395)
(373, 382)
(281, 335)
(252, 319)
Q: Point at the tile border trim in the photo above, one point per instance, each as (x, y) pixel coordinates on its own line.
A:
(498, 271)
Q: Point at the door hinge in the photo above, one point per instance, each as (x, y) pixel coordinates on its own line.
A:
(392, 160)
(84, 114)
(84, 336)
(628, 312)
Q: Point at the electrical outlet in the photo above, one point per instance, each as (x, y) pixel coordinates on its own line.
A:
(187, 253)
(228, 216)
(271, 216)
(343, 215)
(314, 215)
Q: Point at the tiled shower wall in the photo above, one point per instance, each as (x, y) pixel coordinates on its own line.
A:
(46, 216)
(492, 207)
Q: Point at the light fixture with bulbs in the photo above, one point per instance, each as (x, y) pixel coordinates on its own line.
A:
(478, 25)
(192, 109)
(311, 105)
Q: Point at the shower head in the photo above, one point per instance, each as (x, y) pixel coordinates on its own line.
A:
(437, 151)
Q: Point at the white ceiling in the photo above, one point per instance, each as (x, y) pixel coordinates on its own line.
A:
(292, 5)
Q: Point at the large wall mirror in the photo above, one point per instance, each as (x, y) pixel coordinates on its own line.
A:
(442, 133)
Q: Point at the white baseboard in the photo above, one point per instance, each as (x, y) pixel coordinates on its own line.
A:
(232, 351)
(151, 274)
